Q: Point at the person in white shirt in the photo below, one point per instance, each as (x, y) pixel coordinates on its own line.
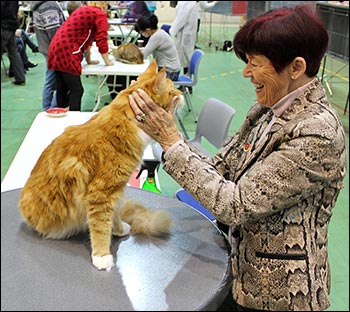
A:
(184, 31)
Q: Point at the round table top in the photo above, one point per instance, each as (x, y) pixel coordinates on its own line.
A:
(188, 270)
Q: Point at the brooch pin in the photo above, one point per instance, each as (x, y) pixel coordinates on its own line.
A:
(246, 147)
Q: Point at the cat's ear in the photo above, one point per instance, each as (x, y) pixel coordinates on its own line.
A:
(152, 68)
(160, 80)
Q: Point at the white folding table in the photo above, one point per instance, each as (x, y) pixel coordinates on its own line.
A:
(117, 69)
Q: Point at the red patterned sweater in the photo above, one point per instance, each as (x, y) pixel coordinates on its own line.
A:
(71, 40)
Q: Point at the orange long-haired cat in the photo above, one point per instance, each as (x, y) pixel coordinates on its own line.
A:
(79, 179)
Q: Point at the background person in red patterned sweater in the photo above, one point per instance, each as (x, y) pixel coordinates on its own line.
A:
(74, 38)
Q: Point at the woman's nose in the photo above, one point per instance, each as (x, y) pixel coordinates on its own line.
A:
(247, 71)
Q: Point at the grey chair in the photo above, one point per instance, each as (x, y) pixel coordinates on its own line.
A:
(213, 124)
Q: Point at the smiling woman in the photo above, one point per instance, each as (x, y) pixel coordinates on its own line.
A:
(271, 86)
(276, 181)
(20, 106)
(276, 74)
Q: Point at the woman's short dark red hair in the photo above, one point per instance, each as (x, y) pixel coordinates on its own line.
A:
(283, 34)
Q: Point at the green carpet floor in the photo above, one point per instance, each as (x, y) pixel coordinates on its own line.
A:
(220, 77)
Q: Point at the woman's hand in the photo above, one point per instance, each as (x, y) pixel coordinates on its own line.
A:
(155, 120)
(93, 62)
(107, 60)
(88, 57)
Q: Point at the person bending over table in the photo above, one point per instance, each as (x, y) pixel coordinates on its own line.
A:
(277, 179)
(68, 46)
(160, 45)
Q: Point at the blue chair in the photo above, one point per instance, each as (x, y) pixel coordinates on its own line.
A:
(187, 198)
(213, 124)
(187, 80)
(165, 27)
(190, 79)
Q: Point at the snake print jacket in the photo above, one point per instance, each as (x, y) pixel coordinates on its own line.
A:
(277, 193)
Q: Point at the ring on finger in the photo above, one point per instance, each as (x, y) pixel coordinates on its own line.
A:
(141, 117)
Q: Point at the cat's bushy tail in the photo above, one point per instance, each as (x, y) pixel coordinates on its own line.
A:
(142, 220)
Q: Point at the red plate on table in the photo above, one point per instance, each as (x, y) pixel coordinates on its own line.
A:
(56, 112)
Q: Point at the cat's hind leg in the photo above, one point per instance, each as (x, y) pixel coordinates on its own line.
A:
(124, 231)
(120, 228)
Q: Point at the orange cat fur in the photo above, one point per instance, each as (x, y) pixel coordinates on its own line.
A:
(128, 53)
(79, 179)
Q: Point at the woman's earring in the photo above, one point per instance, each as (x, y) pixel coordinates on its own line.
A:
(293, 77)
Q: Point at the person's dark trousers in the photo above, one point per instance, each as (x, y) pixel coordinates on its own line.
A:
(69, 90)
(29, 42)
(8, 43)
(174, 76)
(21, 48)
(230, 305)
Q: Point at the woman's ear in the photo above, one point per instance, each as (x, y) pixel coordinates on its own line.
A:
(297, 67)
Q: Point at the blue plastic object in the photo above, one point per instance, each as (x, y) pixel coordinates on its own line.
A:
(166, 27)
(187, 198)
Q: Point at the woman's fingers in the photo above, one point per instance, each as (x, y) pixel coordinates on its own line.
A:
(144, 101)
(134, 106)
(144, 107)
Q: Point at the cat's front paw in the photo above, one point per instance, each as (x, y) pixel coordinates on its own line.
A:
(103, 263)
